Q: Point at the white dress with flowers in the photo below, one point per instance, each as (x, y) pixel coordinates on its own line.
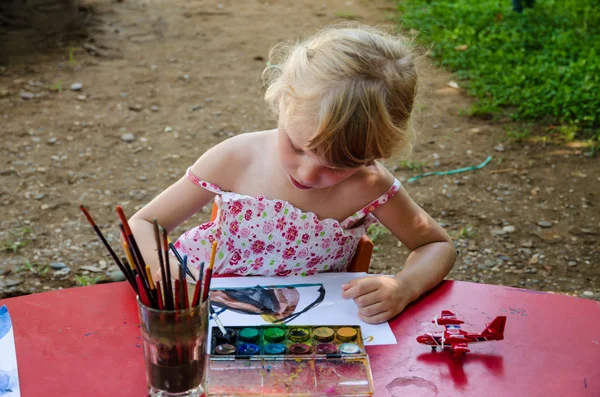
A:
(258, 236)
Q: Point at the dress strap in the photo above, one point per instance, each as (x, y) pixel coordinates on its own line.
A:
(373, 205)
(211, 187)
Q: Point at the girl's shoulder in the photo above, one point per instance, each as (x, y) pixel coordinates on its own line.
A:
(372, 181)
(227, 162)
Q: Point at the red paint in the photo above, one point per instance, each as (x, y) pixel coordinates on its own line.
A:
(551, 345)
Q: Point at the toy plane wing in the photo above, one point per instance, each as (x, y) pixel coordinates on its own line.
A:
(460, 348)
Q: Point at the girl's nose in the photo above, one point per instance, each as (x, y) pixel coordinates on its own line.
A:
(308, 174)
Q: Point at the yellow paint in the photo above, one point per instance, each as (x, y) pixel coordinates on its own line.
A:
(347, 334)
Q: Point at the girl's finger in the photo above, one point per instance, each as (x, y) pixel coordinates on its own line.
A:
(368, 299)
(374, 309)
(376, 319)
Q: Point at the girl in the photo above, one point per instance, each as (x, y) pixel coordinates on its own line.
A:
(296, 199)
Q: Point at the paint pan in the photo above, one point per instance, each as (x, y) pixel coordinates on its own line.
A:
(289, 361)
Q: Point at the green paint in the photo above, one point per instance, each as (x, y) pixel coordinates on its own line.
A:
(221, 255)
(322, 234)
(264, 214)
(328, 250)
(203, 242)
(274, 335)
(270, 237)
(272, 262)
(249, 334)
(298, 242)
(303, 217)
(286, 211)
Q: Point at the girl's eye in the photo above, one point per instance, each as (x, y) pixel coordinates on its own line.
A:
(297, 151)
(338, 171)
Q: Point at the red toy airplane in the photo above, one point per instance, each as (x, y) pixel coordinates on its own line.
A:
(454, 338)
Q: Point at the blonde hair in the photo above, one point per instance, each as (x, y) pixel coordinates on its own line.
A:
(359, 83)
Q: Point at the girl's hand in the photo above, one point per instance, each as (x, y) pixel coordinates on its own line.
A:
(378, 298)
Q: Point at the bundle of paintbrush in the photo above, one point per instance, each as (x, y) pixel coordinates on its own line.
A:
(165, 295)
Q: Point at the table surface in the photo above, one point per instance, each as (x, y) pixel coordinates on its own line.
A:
(86, 341)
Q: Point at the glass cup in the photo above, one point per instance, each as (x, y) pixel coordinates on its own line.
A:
(175, 350)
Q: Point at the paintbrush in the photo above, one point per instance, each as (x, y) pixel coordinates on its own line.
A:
(180, 259)
(181, 278)
(161, 305)
(128, 252)
(122, 267)
(138, 258)
(216, 318)
(143, 297)
(209, 273)
(167, 281)
(151, 283)
(186, 302)
(177, 295)
(163, 274)
(196, 298)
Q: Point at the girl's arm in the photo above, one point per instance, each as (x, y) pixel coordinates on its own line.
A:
(431, 259)
(183, 199)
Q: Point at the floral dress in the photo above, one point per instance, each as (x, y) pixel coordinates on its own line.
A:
(258, 236)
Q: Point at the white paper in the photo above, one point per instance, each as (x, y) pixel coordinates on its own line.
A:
(333, 310)
(9, 376)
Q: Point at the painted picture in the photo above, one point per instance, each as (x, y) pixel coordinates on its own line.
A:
(294, 300)
(276, 304)
(9, 376)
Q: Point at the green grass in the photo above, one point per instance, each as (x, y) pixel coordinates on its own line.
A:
(464, 232)
(413, 165)
(377, 231)
(84, 281)
(16, 239)
(543, 64)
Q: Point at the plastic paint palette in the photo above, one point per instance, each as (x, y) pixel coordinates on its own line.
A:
(278, 360)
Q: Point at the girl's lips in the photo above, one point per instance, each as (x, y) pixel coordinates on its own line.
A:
(297, 184)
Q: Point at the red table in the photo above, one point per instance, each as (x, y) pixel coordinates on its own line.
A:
(86, 342)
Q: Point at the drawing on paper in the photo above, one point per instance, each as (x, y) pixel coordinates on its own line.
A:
(9, 377)
(274, 303)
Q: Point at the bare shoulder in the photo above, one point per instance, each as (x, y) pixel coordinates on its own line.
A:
(227, 162)
(371, 182)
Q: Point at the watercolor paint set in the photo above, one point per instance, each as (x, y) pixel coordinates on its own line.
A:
(280, 360)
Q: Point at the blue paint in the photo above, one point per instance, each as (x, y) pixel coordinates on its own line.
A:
(275, 348)
(5, 382)
(138, 346)
(248, 349)
(5, 324)
(89, 333)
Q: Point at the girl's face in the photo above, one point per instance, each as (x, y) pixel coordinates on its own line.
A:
(304, 168)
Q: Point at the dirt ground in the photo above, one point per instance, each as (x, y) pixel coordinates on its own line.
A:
(117, 117)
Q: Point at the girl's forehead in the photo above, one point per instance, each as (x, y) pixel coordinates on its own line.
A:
(299, 129)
